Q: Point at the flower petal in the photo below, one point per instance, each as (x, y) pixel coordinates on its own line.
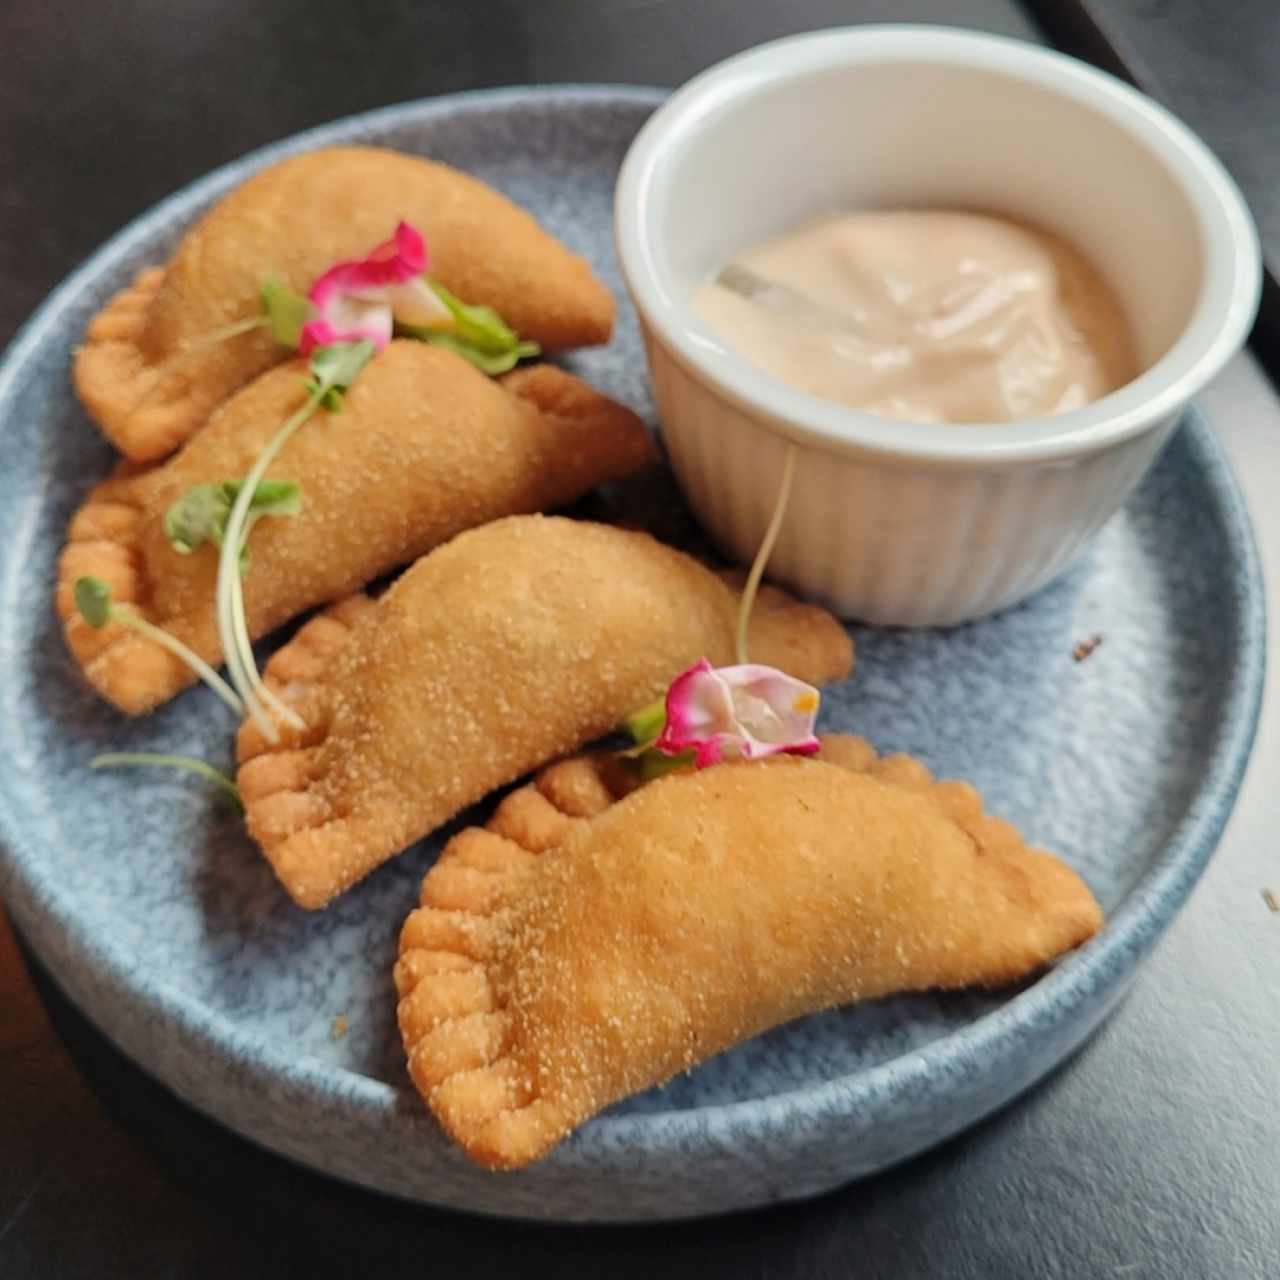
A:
(336, 283)
(771, 706)
(416, 303)
(346, 318)
(320, 333)
(395, 261)
(411, 251)
(698, 707)
(356, 300)
(750, 710)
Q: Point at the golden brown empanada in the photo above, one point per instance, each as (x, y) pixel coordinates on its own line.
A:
(581, 950)
(292, 222)
(424, 447)
(512, 645)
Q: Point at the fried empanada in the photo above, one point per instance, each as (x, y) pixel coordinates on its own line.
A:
(511, 645)
(579, 950)
(423, 447)
(292, 222)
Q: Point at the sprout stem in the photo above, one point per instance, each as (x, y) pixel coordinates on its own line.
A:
(130, 759)
(233, 630)
(126, 617)
(197, 348)
(766, 550)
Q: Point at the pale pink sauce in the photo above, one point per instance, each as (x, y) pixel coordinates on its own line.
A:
(927, 316)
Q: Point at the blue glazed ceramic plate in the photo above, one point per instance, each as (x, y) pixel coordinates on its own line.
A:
(150, 906)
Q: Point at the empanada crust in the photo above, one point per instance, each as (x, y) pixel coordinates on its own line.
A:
(510, 646)
(579, 950)
(424, 447)
(292, 222)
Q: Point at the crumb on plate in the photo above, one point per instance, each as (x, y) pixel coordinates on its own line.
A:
(1086, 647)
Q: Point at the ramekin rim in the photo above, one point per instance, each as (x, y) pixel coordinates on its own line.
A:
(1211, 336)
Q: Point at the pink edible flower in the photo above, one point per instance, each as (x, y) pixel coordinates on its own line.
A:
(749, 711)
(358, 300)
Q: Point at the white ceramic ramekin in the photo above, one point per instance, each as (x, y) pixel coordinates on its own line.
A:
(907, 523)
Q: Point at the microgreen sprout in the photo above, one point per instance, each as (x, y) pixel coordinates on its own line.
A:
(144, 759)
(200, 515)
(657, 764)
(658, 747)
(93, 600)
(646, 724)
(478, 334)
(194, 349)
(762, 556)
(645, 727)
(284, 312)
(332, 370)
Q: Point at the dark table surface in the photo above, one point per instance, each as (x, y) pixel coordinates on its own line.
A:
(1216, 66)
(1154, 1153)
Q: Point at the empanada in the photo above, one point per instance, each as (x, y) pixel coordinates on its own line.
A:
(423, 447)
(581, 950)
(509, 646)
(292, 222)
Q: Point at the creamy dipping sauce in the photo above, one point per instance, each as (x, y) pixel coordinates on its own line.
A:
(927, 316)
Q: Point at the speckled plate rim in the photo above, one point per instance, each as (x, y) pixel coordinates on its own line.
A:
(1047, 1005)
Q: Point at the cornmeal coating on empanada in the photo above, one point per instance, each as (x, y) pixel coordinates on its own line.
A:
(581, 950)
(423, 447)
(292, 222)
(510, 646)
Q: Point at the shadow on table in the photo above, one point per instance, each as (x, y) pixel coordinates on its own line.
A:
(276, 1217)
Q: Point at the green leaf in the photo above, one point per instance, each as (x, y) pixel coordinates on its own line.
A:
(657, 764)
(334, 368)
(197, 517)
(490, 363)
(647, 723)
(93, 599)
(286, 312)
(270, 498)
(480, 326)
(479, 334)
(200, 515)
